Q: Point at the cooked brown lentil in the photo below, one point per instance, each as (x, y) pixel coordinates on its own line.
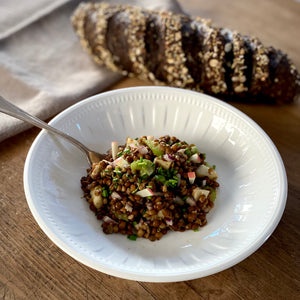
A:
(151, 186)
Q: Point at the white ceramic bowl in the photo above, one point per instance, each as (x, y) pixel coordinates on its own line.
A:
(249, 205)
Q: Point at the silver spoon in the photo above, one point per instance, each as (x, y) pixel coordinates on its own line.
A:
(14, 111)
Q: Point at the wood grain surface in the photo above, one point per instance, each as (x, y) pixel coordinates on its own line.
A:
(32, 267)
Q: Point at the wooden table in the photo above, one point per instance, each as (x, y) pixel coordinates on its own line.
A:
(32, 267)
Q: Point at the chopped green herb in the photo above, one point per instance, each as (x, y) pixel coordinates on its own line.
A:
(188, 152)
(116, 179)
(160, 170)
(214, 167)
(167, 177)
(135, 190)
(174, 171)
(213, 193)
(160, 178)
(172, 183)
(119, 153)
(132, 237)
(196, 229)
(143, 177)
(105, 193)
(134, 223)
(127, 151)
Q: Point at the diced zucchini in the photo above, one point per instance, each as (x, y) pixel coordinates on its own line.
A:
(155, 147)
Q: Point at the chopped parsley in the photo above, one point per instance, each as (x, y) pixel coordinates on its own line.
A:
(172, 183)
(132, 237)
(167, 177)
(105, 193)
(188, 152)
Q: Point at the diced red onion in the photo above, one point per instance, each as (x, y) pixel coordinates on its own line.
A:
(128, 207)
(115, 195)
(149, 206)
(169, 222)
(143, 150)
(168, 157)
(132, 145)
(190, 201)
(107, 219)
(134, 150)
(181, 151)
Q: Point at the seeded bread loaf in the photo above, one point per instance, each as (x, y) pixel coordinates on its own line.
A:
(180, 51)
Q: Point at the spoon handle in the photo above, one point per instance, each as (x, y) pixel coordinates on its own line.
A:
(16, 112)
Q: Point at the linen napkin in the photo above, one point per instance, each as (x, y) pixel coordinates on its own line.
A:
(43, 68)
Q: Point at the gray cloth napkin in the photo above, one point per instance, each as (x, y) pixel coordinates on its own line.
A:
(43, 68)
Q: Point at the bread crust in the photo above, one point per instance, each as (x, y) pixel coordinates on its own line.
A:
(176, 50)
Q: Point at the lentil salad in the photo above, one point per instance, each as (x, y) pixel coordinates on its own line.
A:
(150, 186)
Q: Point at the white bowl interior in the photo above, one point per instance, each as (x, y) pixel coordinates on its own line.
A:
(250, 200)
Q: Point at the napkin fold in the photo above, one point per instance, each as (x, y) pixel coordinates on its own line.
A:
(43, 68)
